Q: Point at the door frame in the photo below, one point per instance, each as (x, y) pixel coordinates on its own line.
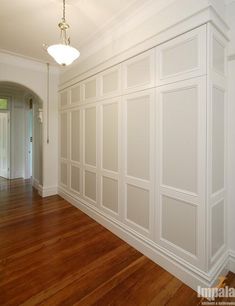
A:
(8, 113)
(27, 109)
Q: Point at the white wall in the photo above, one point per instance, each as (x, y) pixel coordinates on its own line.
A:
(231, 129)
(33, 75)
(37, 144)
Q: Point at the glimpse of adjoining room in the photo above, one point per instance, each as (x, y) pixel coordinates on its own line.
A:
(20, 125)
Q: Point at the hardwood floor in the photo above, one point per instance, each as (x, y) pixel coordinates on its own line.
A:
(53, 254)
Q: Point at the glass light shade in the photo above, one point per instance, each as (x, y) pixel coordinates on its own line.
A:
(63, 54)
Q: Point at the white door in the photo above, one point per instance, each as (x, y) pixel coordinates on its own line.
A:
(4, 144)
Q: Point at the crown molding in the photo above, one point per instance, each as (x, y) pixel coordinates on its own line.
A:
(17, 59)
(112, 32)
(126, 13)
(155, 26)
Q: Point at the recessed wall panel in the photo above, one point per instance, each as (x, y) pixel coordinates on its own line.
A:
(110, 137)
(75, 178)
(179, 223)
(138, 205)
(217, 227)
(110, 193)
(90, 136)
(75, 135)
(64, 98)
(64, 135)
(218, 56)
(138, 72)
(90, 185)
(179, 138)
(217, 140)
(76, 94)
(90, 89)
(180, 57)
(110, 82)
(64, 173)
(138, 137)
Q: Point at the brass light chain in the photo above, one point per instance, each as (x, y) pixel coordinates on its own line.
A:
(63, 10)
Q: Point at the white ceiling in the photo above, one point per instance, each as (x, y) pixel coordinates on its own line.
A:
(27, 24)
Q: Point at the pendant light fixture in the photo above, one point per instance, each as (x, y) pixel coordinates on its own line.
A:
(63, 53)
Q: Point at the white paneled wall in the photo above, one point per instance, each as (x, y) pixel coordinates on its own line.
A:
(217, 145)
(144, 143)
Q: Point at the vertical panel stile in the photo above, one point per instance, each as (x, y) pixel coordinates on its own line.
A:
(98, 153)
(109, 145)
(69, 148)
(82, 151)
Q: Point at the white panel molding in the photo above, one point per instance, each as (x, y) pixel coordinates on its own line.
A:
(97, 90)
(70, 182)
(78, 101)
(78, 162)
(198, 83)
(60, 174)
(113, 101)
(216, 80)
(64, 99)
(146, 184)
(193, 263)
(183, 270)
(90, 200)
(197, 199)
(195, 15)
(214, 34)
(111, 174)
(195, 259)
(115, 92)
(180, 195)
(222, 248)
(109, 211)
(150, 56)
(64, 112)
(87, 108)
(197, 35)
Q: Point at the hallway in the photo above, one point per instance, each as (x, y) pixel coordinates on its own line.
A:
(49, 255)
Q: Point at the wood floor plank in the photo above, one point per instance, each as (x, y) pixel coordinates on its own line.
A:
(51, 253)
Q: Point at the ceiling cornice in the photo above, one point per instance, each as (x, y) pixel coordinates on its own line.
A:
(109, 34)
(22, 60)
(143, 32)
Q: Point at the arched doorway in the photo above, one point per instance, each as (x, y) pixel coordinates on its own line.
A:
(21, 133)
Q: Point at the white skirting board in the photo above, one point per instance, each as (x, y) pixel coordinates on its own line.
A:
(45, 191)
(37, 186)
(187, 273)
